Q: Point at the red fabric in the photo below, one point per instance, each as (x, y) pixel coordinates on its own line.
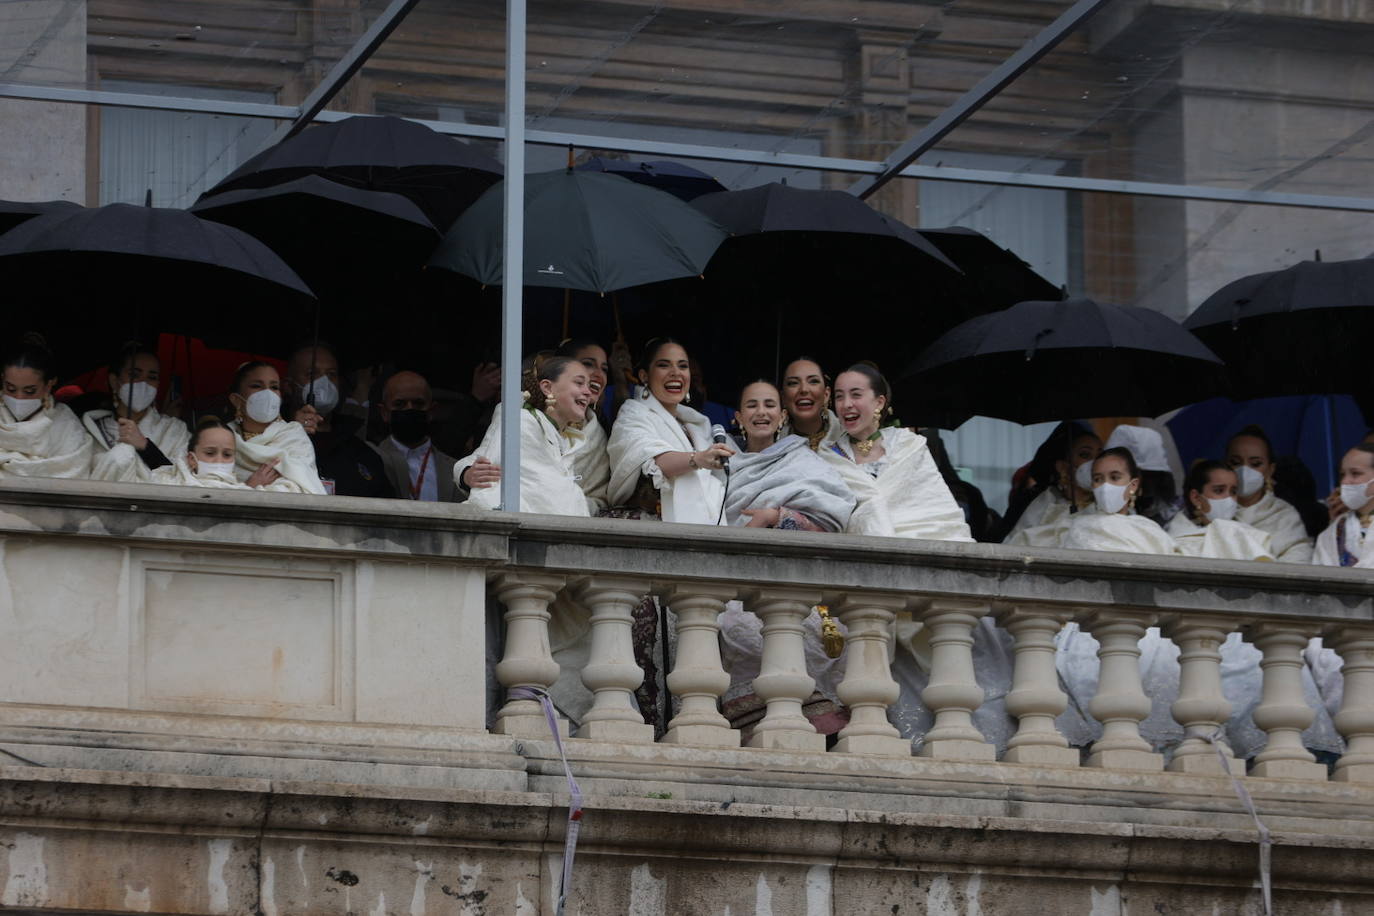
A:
(204, 377)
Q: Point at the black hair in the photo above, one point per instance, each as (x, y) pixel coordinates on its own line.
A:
(1198, 477)
(825, 379)
(573, 345)
(1121, 451)
(131, 351)
(1253, 431)
(242, 372)
(651, 349)
(877, 383)
(209, 421)
(739, 399)
(32, 353)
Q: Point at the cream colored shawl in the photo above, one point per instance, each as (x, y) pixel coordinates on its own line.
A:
(119, 461)
(1287, 535)
(548, 475)
(51, 443)
(1117, 532)
(179, 474)
(643, 431)
(908, 499)
(284, 439)
(1219, 540)
(592, 465)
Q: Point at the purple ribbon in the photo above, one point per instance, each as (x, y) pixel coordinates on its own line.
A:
(574, 792)
(1265, 844)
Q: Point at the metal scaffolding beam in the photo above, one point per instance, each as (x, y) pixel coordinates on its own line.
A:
(978, 96)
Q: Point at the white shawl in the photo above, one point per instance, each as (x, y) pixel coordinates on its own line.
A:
(1117, 532)
(51, 443)
(179, 474)
(1287, 534)
(1327, 552)
(119, 461)
(592, 466)
(1045, 523)
(643, 431)
(548, 474)
(284, 439)
(787, 474)
(1219, 540)
(908, 499)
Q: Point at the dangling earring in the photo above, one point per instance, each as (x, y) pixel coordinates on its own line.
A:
(644, 393)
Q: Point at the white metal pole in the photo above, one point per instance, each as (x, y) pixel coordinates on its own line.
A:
(512, 287)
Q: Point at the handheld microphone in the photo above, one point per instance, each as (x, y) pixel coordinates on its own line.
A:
(719, 438)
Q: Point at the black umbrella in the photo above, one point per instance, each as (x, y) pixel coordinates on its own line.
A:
(679, 180)
(441, 175)
(14, 212)
(999, 278)
(99, 276)
(584, 230)
(1293, 331)
(1044, 361)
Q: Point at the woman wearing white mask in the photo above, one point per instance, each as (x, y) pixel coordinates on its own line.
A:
(1252, 456)
(1063, 466)
(262, 436)
(134, 438)
(209, 462)
(1115, 525)
(1347, 541)
(38, 437)
(1207, 527)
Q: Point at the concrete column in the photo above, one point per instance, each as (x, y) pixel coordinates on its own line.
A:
(1283, 711)
(1120, 703)
(1355, 721)
(698, 679)
(953, 692)
(868, 688)
(783, 682)
(527, 661)
(1201, 707)
(1035, 697)
(611, 673)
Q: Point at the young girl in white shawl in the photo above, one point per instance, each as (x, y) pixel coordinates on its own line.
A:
(1206, 527)
(590, 462)
(1252, 455)
(1115, 525)
(209, 462)
(134, 438)
(1064, 467)
(1349, 539)
(551, 435)
(38, 437)
(661, 450)
(262, 436)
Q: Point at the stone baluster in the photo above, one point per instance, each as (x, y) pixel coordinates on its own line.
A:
(783, 682)
(527, 661)
(698, 679)
(1283, 712)
(1120, 703)
(953, 692)
(611, 672)
(1201, 707)
(1355, 646)
(1035, 698)
(868, 688)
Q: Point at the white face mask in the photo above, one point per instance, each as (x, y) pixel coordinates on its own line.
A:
(1224, 509)
(1111, 497)
(1251, 481)
(1083, 476)
(219, 468)
(264, 406)
(137, 396)
(1352, 494)
(22, 408)
(326, 394)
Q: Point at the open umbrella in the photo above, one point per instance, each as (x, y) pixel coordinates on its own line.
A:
(1043, 361)
(14, 212)
(998, 276)
(584, 230)
(440, 174)
(104, 275)
(679, 180)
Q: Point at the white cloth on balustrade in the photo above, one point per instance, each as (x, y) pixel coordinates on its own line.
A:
(1118, 533)
(788, 473)
(592, 466)
(118, 461)
(178, 473)
(908, 499)
(51, 443)
(741, 651)
(1053, 527)
(1288, 537)
(548, 480)
(644, 430)
(1222, 539)
(284, 439)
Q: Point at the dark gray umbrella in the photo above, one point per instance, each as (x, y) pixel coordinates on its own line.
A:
(14, 212)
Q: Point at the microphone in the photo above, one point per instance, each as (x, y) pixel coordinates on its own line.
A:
(719, 438)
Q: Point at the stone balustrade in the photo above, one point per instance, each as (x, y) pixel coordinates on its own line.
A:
(310, 640)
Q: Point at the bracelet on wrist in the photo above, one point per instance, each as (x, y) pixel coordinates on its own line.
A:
(692, 460)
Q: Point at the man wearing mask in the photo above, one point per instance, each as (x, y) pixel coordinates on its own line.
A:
(417, 469)
(347, 464)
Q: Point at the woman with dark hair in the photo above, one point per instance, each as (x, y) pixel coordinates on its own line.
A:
(38, 437)
(1206, 527)
(1251, 455)
(1115, 525)
(262, 438)
(890, 470)
(1157, 498)
(806, 409)
(1062, 475)
(557, 396)
(661, 454)
(134, 438)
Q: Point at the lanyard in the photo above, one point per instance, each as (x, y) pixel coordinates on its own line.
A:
(420, 480)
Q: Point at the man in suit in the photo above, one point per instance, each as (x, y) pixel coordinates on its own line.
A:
(416, 468)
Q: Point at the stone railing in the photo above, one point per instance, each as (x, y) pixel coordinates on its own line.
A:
(273, 643)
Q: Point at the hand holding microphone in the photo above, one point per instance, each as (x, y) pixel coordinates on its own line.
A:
(721, 449)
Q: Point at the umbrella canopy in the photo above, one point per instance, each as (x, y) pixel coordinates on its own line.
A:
(1293, 331)
(441, 175)
(681, 181)
(335, 236)
(14, 212)
(1042, 361)
(997, 275)
(584, 230)
(120, 270)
